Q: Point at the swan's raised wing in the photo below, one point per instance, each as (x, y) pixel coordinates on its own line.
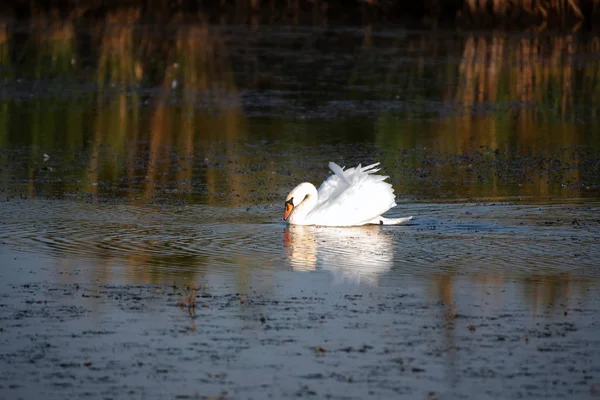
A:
(354, 198)
(334, 185)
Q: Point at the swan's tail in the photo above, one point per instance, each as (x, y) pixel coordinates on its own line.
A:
(390, 221)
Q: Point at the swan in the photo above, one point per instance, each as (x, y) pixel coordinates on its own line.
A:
(351, 197)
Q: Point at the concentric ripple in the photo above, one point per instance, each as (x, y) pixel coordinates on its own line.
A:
(498, 240)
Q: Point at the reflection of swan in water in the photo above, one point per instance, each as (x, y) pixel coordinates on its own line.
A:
(358, 255)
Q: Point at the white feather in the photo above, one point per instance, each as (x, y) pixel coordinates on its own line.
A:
(351, 197)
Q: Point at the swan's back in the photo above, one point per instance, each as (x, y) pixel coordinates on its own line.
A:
(353, 196)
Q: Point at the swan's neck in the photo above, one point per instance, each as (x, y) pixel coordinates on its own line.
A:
(301, 213)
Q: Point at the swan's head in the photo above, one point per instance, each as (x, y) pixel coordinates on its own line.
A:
(297, 196)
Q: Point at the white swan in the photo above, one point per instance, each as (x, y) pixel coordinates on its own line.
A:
(351, 197)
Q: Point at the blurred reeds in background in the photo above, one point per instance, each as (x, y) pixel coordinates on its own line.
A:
(463, 13)
(154, 96)
(510, 95)
(104, 110)
(112, 85)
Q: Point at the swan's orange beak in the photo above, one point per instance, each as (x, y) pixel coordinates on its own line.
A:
(288, 209)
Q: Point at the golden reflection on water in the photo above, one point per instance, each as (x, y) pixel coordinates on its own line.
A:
(198, 64)
(496, 68)
(198, 99)
(197, 102)
(554, 294)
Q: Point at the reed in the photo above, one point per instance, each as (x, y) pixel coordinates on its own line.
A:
(499, 95)
(8, 73)
(465, 13)
(196, 103)
(544, 13)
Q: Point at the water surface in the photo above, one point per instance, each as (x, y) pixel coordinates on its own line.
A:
(142, 179)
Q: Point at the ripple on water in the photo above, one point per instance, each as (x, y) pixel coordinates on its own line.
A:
(171, 237)
(503, 240)
(497, 240)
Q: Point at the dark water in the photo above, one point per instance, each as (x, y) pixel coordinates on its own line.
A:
(142, 176)
(203, 112)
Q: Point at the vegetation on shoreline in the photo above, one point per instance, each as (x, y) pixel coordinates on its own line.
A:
(538, 14)
(117, 82)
